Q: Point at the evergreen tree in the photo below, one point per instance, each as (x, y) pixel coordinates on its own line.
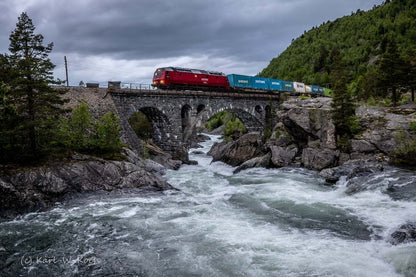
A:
(30, 92)
(392, 70)
(343, 110)
(9, 119)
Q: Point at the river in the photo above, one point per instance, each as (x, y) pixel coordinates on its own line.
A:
(259, 222)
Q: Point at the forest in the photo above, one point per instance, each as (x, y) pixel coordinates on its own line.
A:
(374, 44)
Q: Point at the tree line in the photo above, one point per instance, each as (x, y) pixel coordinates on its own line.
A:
(34, 125)
(378, 51)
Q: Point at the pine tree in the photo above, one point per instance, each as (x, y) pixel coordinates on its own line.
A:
(392, 70)
(343, 110)
(36, 101)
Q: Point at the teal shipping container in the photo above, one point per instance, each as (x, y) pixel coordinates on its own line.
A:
(317, 90)
(239, 81)
(275, 84)
(287, 86)
(260, 83)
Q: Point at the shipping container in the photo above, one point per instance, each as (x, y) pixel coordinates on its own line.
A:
(308, 89)
(260, 83)
(275, 84)
(327, 92)
(317, 90)
(239, 81)
(287, 86)
(299, 87)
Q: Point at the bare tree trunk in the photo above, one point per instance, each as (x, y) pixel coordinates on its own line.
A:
(394, 96)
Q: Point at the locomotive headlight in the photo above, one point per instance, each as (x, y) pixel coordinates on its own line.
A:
(162, 81)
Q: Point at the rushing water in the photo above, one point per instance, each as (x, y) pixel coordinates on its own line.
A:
(259, 222)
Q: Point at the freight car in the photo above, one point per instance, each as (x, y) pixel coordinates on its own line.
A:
(184, 78)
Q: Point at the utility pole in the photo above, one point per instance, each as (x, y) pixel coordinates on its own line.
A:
(66, 71)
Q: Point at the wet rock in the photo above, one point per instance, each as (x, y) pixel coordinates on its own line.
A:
(237, 152)
(309, 119)
(163, 158)
(351, 169)
(381, 125)
(255, 162)
(362, 146)
(37, 189)
(283, 156)
(405, 234)
(318, 159)
(218, 131)
(197, 152)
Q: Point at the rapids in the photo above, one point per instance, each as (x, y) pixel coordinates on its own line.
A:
(259, 222)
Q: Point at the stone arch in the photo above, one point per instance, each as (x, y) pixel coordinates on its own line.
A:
(250, 121)
(268, 110)
(186, 122)
(258, 110)
(185, 116)
(200, 108)
(160, 123)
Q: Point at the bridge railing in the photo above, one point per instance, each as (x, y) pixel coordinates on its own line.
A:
(137, 87)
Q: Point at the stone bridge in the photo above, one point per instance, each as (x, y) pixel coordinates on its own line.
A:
(175, 115)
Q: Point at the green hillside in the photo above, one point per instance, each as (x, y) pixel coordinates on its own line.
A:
(361, 38)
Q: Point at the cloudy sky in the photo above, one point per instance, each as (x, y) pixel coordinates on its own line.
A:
(126, 40)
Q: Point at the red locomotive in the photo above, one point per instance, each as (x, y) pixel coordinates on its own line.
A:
(184, 78)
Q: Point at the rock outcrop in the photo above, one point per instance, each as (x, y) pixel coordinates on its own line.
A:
(351, 169)
(304, 135)
(255, 162)
(235, 153)
(37, 189)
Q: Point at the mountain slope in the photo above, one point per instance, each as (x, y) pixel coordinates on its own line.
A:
(360, 38)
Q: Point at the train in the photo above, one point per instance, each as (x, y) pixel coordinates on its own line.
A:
(197, 79)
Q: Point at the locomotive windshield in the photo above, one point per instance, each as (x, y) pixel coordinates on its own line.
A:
(159, 72)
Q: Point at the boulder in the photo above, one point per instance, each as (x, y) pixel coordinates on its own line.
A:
(362, 146)
(307, 120)
(404, 234)
(318, 159)
(283, 156)
(237, 152)
(263, 161)
(350, 170)
(163, 158)
(380, 127)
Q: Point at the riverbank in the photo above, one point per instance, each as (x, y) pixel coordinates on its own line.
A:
(39, 188)
(259, 222)
(304, 136)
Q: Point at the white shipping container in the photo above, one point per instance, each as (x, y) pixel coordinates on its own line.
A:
(308, 89)
(299, 87)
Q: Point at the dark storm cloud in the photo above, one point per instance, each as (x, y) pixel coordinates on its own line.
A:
(150, 29)
(236, 36)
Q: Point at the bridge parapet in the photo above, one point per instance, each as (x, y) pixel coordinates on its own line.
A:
(173, 114)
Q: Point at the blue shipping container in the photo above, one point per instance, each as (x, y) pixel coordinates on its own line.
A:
(275, 84)
(317, 90)
(260, 83)
(287, 86)
(239, 81)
